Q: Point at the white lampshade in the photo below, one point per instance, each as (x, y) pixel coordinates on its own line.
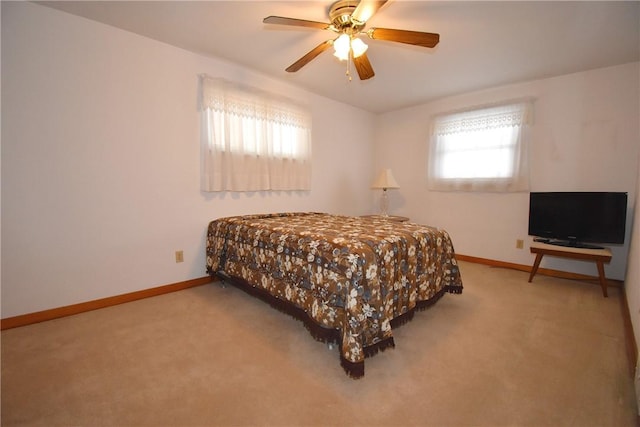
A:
(358, 47)
(341, 45)
(385, 180)
(345, 44)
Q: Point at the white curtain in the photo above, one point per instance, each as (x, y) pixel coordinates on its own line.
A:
(481, 150)
(251, 140)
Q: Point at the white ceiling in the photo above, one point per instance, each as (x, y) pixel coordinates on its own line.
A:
(482, 44)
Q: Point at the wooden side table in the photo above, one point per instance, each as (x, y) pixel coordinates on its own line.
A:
(394, 218)
(599, 256)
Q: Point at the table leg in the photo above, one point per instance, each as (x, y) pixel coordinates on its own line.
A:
(603, 280)
(536, 264)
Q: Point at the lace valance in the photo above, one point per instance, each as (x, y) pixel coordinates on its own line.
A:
(243, 101)
(483, 119)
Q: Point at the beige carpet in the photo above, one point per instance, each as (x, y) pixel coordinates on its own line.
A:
(506, 352)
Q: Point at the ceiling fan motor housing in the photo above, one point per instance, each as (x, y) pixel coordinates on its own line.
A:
(340, 15)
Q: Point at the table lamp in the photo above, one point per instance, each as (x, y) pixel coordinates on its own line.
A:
(385, 181)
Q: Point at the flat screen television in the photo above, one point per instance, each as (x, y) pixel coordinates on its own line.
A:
(577, 219)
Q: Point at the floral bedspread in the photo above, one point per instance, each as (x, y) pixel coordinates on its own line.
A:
(353, 274)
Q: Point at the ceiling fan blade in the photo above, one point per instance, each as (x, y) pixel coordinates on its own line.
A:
(363, 66)
(279, 20)
(309, 56)
(365, 10)
(416, 38)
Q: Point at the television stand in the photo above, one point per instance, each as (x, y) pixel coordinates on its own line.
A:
(599, 256)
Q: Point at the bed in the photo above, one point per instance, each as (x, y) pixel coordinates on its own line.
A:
(350, 279)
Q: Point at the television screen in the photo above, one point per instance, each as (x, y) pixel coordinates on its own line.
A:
(575, 218)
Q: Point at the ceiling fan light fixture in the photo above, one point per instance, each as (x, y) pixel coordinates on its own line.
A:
(358, 47)
(342, 45)
(345, 44)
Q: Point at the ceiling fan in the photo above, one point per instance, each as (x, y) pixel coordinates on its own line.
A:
(348, 19)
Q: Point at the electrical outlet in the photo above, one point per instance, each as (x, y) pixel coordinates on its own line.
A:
(519, 244)
(179, 256)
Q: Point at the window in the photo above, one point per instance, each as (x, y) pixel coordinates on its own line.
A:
(481, 150)
(251, 140)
